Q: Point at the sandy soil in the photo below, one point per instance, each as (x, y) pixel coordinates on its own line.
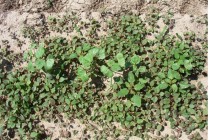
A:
(17, 14)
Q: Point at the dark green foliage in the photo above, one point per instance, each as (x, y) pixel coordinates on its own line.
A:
(149, 81)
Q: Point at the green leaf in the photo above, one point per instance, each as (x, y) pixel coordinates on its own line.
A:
(131, 77)
(86, 60)
(30, 66)
(140, 121)
(61, 79)
(176, 55)
(40, 52)
(123, 92)
(142, 81)
(78, 50)
(34, 134)
(110, 63)
(81, 73)
(142, 69)
(114, 108)
(191, 111)
(184, 85)
(136, 99)
(175, 66)
(40, 63)
(188, 65)
(182, 45)
(120, 59)
(73, 55)
(135, 59)
(101, 54)
(170, 74)
(115, 67)
(93, 52)
(139, 86)
(179, 36)
(162, 93)
(176, 75)
(86, 47)
(106, 71)
(49, 64)
(163, 85)
(148, 95)
(166, 101)
(205, 111)
(145, 41)
(161, 75)
(154, 99)
(159, 127)
(174, 87)
(67, 101)
(129, 118)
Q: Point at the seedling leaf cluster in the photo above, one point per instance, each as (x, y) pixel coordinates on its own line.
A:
(137, 75)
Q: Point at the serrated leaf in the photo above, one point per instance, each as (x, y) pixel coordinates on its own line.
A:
(136, 99)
